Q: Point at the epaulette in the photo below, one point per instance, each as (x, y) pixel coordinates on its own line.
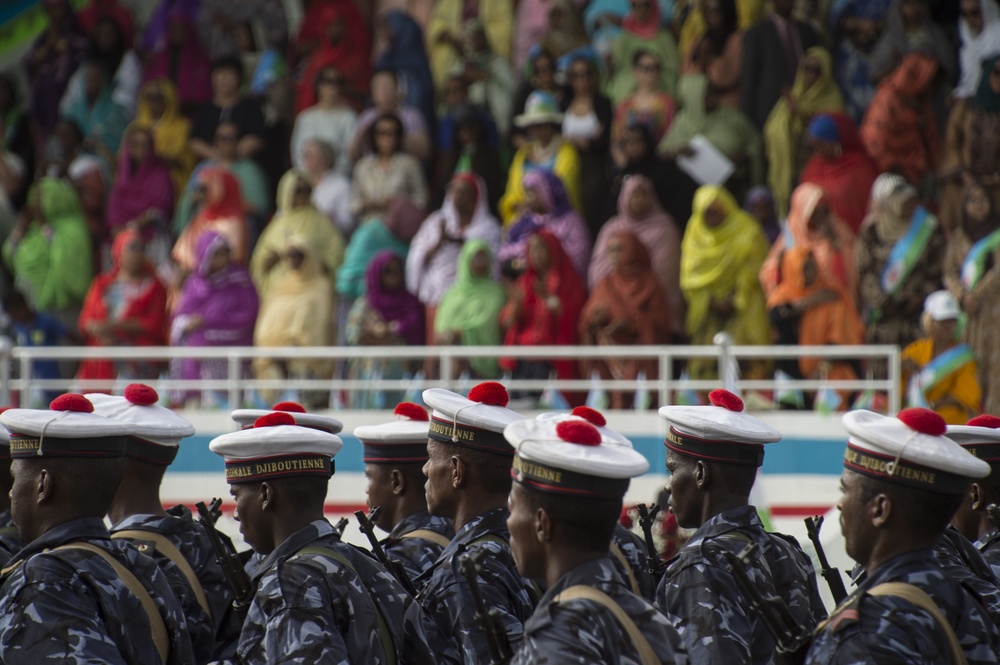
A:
(845, 615)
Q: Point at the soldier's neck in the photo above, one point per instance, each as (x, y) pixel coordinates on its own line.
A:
(716, 504)
(474, 504)
(890, 545)
(405, 506)
(288, 523)
(561, 560)
(126, 504)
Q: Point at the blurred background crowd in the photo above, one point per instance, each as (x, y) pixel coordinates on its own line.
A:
(509, 172)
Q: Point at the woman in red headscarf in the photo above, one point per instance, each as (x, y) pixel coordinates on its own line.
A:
(222, 210)
(341, 39)
(125, 306)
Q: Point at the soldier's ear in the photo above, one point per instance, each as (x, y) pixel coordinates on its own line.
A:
(879, 510)
(265, 495)
(978, 498)
(459, 472)
(701, 475)
(397, 481)
(543, 526)
(44, 486)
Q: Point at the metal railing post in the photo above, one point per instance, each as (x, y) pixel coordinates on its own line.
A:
(5, 360)
(234, 377)
(666, 375)
(25, 394)
(447, 363)
(895, 372)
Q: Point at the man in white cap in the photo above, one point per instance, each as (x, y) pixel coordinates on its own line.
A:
(175, 541)
(394, 456)
(317, 599)
(468, 481)
(902, 482)
(246, 417)
(713, 453)
(974, 520)
(566, 499)
(73, 594)
(10, 539)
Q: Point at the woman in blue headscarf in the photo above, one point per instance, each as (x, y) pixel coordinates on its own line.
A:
(407, 58)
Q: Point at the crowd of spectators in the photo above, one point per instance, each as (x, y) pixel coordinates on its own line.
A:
(519, 172)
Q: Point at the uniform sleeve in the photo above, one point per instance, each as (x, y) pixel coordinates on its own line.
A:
(302, 636)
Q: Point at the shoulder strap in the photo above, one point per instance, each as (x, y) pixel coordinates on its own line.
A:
(427, 534)
(169, 550)
(919, 597)
(490, 538)
(159, 629)
(632, 582)
(381, 625)
(646, 654)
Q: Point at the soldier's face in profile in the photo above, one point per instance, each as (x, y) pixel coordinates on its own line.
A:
(853, 514)
(23, 495)
(682, 490)
(438, 488)
(378, 490)
(524, 544)
(249, 514)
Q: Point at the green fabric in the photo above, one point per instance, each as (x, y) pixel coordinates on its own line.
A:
(26, 26)
(253, 190)
(370, 239)
(53, 265)
(663, 46)
(472, 307)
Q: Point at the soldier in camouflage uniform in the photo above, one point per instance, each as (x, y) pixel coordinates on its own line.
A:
(394, 454)
(713, 453)
(73, 595)
(468, 481)
(564, 504)
(317, 600)
(901, 484)
(137, 514)
(10, 539)
(981, 437)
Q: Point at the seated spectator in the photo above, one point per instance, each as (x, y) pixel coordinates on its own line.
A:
(296, 309)
(331, 119)
(254, 190)
(812, 225)
(450, 21)
(101, 121)
(718, 53)
(331, 191)
(96, 10)
(323, 42)
(89, 176)
(385, 315)
(566, 32)
(979, 29)
(159, 112)
(543, 309)
(721, 255)
(690, 22)
(911, 29)
(809, 310)
(469, 312)
(216, 307)
(217, 20)
(628, 306)
(298, 217)
(454, 100)
(899, 236)
(470, 149)
(760, 204)
(899, 130)
(726, 128)
(647, 105)
(111, 48)
(431, 264)
(51, 60)
(785, 139)
(546, 150)
(546, 207)
(643, 31)
(221, 210)
(539, 76)
(840, 167)
(227, 105)
(492, 84)
(939, 371)
(972, 274)
(125, 306)
(969, 150)
(530, 26)
(180, 57)
(387, 172)
(49, 251)
(142, 196)
(35, 329)
(406, 57)
(640, 214)
(16, 135)
(856, 26)
(386, 100)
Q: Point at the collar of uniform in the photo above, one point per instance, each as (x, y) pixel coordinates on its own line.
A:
(84, 528)
(988, 541)
(730, 520)
(421, 520)
(491, 522)
(302, 538)
(900, 567)
(598, 573)
(165, 524)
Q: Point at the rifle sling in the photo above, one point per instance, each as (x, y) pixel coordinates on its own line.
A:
(161, 639)
(169, 550)
(632, 582)
(427, 534)
(581, 591)
(919, 597)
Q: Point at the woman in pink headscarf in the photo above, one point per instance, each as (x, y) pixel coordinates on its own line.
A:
(142, 194)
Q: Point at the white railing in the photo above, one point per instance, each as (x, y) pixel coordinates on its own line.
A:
(236, 382)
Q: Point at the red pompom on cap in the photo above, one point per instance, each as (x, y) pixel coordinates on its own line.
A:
(583, 434)
(592, 416)
(411, 411)
(274, 420)
(72, 402)
(490, 393)
(726, 400)
(289, 407)
(985, 420)
(924, 421)
(141, 394)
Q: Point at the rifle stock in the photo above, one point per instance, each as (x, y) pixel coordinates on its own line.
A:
(829, 573)
(232, 567)
(488, 619)
(367, 524)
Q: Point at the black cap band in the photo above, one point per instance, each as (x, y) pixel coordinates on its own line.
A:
(25, 446)
(468, 436)
(986, 451)
(149, 452)
(731, 452)
(282, 466)
(545, 478)
(904, 472)
(395, 453)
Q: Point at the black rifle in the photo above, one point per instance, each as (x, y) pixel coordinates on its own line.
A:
(488, 619)
(367, 523)
(829, 573)
(790, 644)
(341, 525)
(654, 562)
(232, 567)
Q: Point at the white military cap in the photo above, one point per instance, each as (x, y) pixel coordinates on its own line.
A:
(157, 431)
(275, 447)
(475, 422)
(595, 418)
(69, 428)
(571, 457)
(247, 417)
(720, 432)
(910, 449)
(398, 441)
(980, 436)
